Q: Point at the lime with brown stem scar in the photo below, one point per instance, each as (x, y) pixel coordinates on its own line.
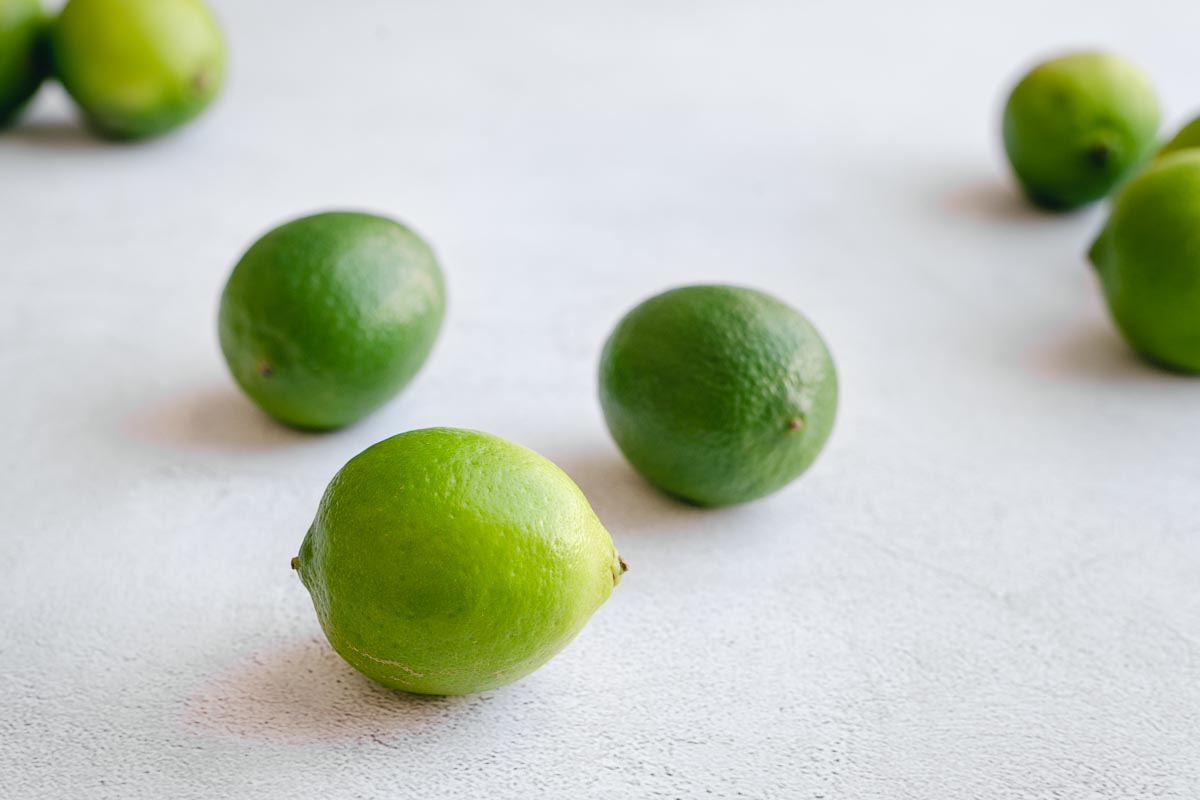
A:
(448, 561)
(1075, 126)
(327, 317)
(718, 394)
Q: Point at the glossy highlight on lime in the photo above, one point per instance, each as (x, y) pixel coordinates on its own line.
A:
(718, 394)
(138, 68)
(448, 561)
(328, 317)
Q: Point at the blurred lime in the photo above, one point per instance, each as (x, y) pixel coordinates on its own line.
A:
(1076, 125)
(327, 317)
(718, 394)
(23, 60)
(1187, 138)
(1148, 261)
(447, 561)
(138, 67)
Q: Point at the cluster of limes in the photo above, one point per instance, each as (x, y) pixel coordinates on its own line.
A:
(446, 561)
(1084, 125)
(135, 68)
(441, 561)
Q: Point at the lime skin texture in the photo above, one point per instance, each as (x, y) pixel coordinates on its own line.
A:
(24, 62)
(446, 561)
(1077, 125)
(328, 317)
(138, 68)
(718, 394)
(1148, 260)
(1187, 138)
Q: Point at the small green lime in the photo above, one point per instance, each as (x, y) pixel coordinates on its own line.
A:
(327, 317)
(446, 561)
(1076, 125)
(718, 394)
(23, 61)
(138, 67)
(1148, 261)
(1187, 138)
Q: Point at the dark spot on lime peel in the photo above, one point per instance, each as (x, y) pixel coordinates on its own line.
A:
(1099, 154)
(201, 81)
(265, 369)
(717, 394)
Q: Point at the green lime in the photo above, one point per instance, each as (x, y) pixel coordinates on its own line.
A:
(1076, 125)
(1187, 138)
(23, 61)
(718, 394)
(138, 67)
(446, 561)
(327, 317)
(1148, 261)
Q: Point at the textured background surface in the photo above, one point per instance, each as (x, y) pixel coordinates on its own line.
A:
(987, 587)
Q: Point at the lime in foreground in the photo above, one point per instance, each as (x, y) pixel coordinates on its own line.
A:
(1148, 260)
(138, 68)
(447, 561)
(718, 394)
(1077, 125)
(327, 317)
